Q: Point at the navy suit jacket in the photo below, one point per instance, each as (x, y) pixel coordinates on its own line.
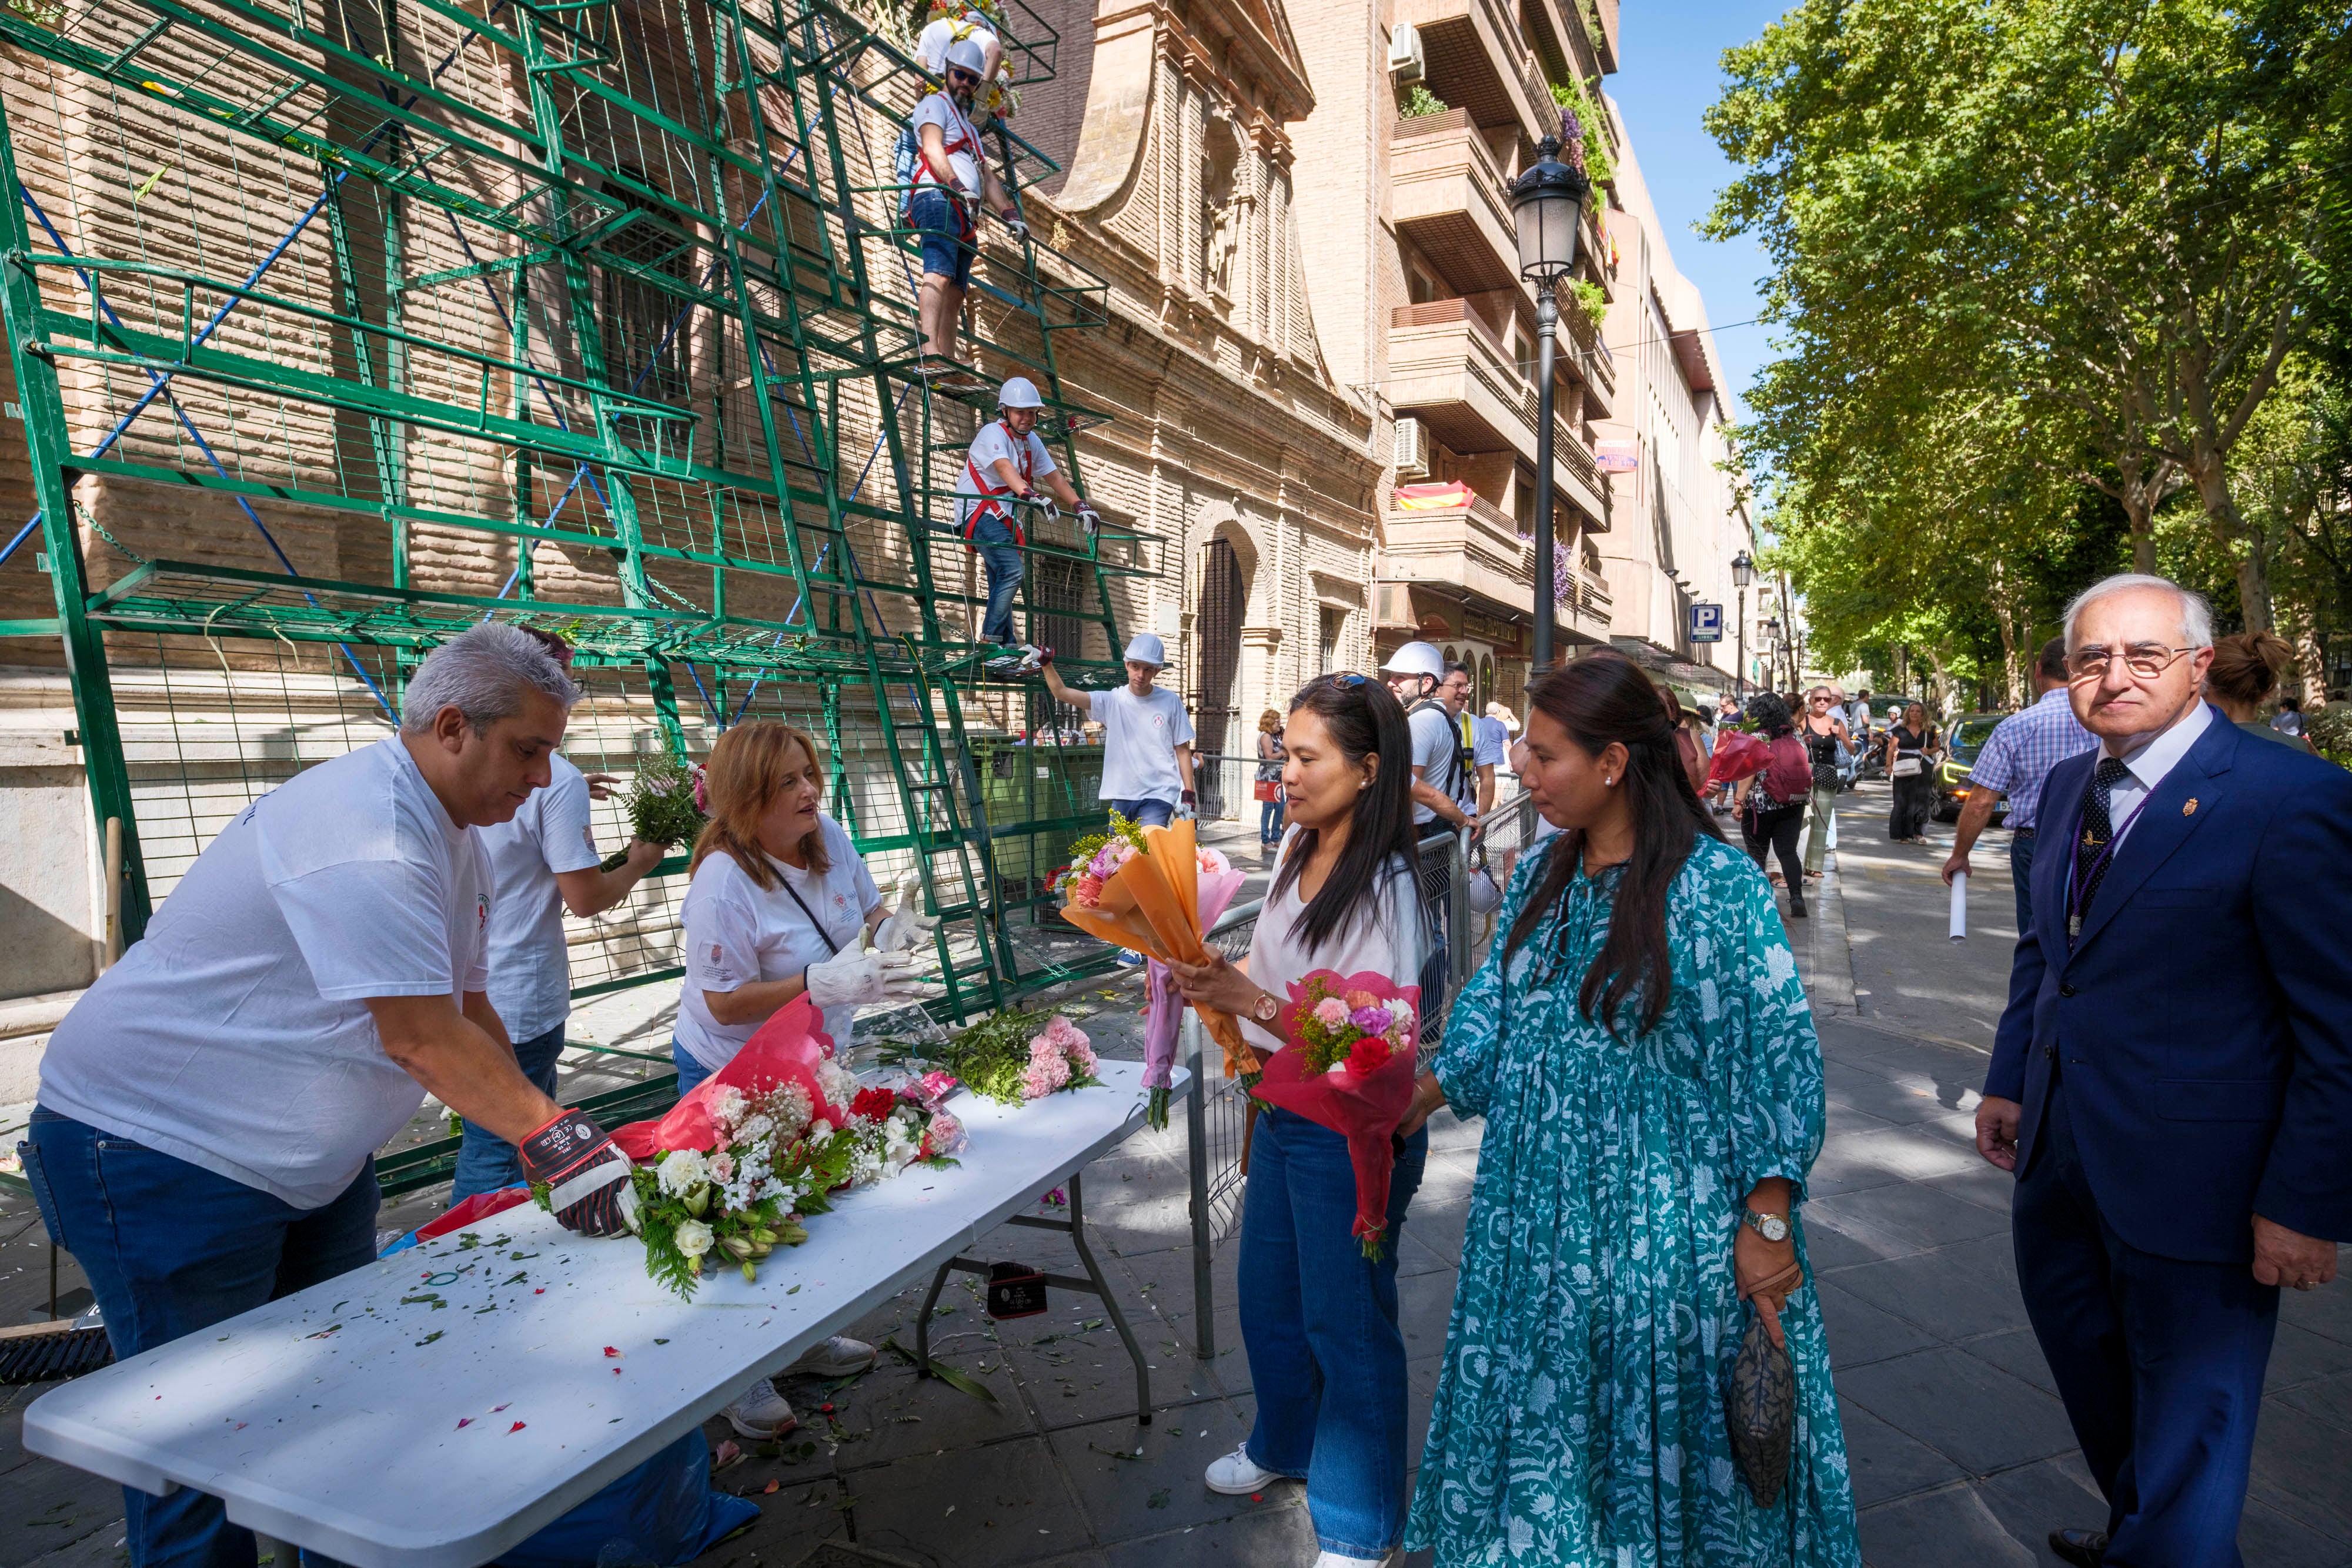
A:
(2204, 1016)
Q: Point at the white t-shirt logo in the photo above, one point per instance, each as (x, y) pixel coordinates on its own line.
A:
(481, 912)
(718, 953)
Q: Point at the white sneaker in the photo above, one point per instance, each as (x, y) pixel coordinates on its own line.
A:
(1238, 1475)
(839, 1356)
(1129, 957)
(1333, 1560)
(760, 1413)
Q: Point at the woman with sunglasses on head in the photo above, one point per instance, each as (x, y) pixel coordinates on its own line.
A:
(1639, 1045)
(1320, 1319)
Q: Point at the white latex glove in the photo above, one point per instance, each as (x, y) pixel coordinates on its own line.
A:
(859, 979)
(905, 928)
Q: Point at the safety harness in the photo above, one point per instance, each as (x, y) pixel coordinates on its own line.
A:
(988, 505)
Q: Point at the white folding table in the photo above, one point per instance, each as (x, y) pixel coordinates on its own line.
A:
(437, 1407)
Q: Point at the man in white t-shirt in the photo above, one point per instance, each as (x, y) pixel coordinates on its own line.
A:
(1147, 774)
(951, 179)
(208, 1111)
(1481, 742)
(1003, 472)
(544, 861)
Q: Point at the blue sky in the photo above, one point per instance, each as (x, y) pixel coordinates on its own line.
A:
(1670, 54)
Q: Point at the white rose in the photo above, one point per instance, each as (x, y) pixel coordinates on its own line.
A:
(693, 1238)
(683, 1170)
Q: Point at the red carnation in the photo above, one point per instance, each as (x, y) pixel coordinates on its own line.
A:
(1369, 1055)
(873, 1104)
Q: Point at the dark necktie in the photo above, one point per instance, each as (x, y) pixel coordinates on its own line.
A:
(2090, 864)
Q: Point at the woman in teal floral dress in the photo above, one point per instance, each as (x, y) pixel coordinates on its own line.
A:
(1609, 1271)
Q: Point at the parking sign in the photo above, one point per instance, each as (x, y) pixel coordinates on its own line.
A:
(1707, 623)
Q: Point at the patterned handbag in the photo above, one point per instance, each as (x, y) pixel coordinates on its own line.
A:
(1759, 1411)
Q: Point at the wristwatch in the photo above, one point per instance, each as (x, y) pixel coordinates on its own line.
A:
(1266, 1008)
(1770, 1226)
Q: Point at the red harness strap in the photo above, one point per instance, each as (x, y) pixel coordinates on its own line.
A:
(966, 140)
(988, 505)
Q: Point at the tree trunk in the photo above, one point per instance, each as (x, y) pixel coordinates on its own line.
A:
(2211, 475)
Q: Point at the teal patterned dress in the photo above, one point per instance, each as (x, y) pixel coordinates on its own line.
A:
(1578, 1416)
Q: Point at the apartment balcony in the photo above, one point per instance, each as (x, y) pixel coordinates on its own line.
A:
(1447, 368)
(1478, 61)
(1449, 200)
(1474, 549)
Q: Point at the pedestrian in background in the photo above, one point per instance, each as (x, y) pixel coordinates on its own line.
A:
(1773, 803)
(1269, 780)
(2244, 673)
(1689, 743)
(2288, 720)
(2171, 1083)
(1640, 1048)
(1826, 739)
(1320, 1319)
(2023, 749)
(1910, 747)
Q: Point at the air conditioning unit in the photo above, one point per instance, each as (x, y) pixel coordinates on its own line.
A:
(1410, 447)
(1392, 604)
(1406, 62)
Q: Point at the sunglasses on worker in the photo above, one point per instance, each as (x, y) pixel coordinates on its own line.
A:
(957, 73)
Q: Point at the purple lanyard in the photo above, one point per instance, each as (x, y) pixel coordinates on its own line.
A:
(2075, 910)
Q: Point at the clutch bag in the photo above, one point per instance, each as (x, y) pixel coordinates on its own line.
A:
(1759, 1411)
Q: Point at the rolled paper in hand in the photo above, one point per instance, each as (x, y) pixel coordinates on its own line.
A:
(1959, 906)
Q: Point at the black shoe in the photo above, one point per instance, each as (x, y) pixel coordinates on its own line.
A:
(2083, 1548)
(1796, 909)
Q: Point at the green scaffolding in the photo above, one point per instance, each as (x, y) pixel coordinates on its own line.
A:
(341, 325)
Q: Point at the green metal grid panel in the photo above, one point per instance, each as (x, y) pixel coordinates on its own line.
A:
(341, 327)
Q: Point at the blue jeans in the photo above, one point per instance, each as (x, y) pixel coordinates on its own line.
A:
(690, 1072)
(487, 1162)
(171, 1249)
(2021, 872)
(1144, 814)
(1321, 1324)
(1005, 571)
(1269, 822)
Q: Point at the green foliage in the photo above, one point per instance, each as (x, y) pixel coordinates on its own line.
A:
(993, 1055)
(1421, 104)
(1599, 166)
(1591, 299)
(2330, 730)
(2035, 265)
(660, 802)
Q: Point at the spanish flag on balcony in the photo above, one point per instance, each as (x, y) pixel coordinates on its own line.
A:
(1431, 498)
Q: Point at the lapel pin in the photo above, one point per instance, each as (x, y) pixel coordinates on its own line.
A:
(2188, 807)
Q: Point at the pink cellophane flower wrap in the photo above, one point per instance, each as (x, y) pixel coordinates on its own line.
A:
(787, 1048)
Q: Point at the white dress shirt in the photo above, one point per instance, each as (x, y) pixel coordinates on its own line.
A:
(2149, 759)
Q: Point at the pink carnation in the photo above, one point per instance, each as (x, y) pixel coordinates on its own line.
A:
(722, 1167)
(1361, 999)
(947, 1134)
(1081, 1058)
(1089, 890)
(1046, 1073)
(1211, 862)
(702, 791)
(1332, 1012)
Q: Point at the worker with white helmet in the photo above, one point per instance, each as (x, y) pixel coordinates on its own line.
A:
(1007, 465)
(951, 179)
(1414, 672)
(1147, 774)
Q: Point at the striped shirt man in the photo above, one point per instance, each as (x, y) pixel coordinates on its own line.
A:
(2024, 747)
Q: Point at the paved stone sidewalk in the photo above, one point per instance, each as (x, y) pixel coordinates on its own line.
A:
(1961, 1453)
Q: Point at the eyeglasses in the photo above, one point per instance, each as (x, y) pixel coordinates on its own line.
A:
(2144, 660)
(957, 73)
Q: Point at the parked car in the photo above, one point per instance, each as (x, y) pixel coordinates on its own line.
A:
(1964, 738)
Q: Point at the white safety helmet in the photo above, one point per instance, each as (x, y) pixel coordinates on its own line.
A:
(1416, 658)
(1019, 392)
(966, 53)
(1146, 648)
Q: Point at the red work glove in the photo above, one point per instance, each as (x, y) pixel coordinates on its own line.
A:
(587, 1176)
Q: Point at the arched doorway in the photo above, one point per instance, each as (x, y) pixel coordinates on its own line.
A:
(1224, 600)
(1486, 681)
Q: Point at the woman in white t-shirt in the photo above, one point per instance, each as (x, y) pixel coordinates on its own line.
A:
(1327, 1359)
(779, 906)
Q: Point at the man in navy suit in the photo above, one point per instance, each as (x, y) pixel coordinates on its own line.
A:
(2173, 1080)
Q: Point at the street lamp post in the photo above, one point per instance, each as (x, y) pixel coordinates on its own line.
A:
(1546, 201)
(1742, 569)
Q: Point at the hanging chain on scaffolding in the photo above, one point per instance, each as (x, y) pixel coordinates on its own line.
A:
(99, 529)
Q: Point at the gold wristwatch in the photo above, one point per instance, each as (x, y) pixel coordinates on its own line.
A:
(1266, 1008)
